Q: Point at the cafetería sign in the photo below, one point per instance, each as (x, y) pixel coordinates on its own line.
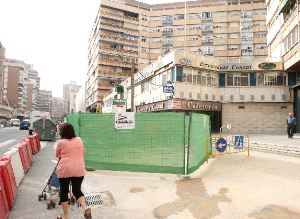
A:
(267, 65)
(177, 104)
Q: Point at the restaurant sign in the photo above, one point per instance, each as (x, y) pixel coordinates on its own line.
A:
(267, 65)
(151, 107)
(202, 106)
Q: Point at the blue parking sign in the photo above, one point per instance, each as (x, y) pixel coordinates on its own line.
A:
(238, 142)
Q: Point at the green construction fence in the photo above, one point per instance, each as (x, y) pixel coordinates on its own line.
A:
(157, 144)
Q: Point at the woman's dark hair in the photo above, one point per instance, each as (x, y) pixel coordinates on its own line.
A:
(66, 131)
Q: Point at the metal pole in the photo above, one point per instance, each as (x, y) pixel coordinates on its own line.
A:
(132, 88)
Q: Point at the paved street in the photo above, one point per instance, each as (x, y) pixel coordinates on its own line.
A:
(230, 186)
(10, 137)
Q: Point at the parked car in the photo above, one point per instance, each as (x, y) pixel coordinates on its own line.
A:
(25, 124)
(14, 122)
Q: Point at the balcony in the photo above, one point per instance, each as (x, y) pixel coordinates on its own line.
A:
(179, 44)
(178, 32)
(179, 22)
(220, 42)
(220, 30)
(155, 34)
(219, 19)
(155, 45)
(259, 17)
(220, 53)
(193, 43)
(233, 18)
(234, 41)
(234, 29)
(259, 40)
(193, 32)
(260, 52)
(236, 52)
(192, 21)
(260, 28)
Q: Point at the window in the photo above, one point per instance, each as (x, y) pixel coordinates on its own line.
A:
(190, 95)
(206, 15)
(233, 36)
(156, 29)
(198, 96)
(206, 96)
(145, 86)
(167, 20)
(231, 97)
(242, 97)
(273, 96)
(221, 97)
(179, 17)
(252, 97)
(143, 39)
(180, 28)
(237, 79)
(262, 97)
(181, 94)
(291, 40)
(275, 79)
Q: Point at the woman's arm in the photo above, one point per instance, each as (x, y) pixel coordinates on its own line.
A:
(58, 150)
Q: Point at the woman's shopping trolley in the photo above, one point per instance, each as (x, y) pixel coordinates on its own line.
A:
(52, 188)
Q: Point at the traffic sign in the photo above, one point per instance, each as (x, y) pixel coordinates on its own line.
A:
(221, 145)
(168, 89)
(238, 142)
(119, 101)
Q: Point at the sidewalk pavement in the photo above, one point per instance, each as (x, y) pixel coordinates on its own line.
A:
(230, 186)
(279, 144)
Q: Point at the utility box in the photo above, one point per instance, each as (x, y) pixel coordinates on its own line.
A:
(45, 128)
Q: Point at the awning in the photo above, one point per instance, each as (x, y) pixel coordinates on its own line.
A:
(295, 86)
(281, 6)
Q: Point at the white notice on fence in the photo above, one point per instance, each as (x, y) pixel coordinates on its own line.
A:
(124, 120)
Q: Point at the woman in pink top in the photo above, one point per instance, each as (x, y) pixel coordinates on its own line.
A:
(71, 168)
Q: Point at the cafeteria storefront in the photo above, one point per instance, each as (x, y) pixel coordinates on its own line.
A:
(179, 105)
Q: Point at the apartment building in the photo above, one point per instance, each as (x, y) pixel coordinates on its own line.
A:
(44, 101)
(21, 84)
(129, 34)
(283, 41)
(69, 93)
(59, 109)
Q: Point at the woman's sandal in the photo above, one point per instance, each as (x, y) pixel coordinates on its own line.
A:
(61, 216)
(88, 213)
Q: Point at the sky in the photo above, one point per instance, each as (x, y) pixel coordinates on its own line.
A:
(52, 35)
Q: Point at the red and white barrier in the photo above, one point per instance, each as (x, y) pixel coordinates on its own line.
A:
(8, 179)
(24, 156)
(4, 209)
(16, 164)
(33, 144)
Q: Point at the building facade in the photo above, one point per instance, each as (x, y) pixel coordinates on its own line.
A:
(69, 93)
(283, 24)
(128, 34)
(59, 109)
(44, 101)
(252, 96)
(21, 84)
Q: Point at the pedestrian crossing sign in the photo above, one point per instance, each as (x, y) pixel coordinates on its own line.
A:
(238, 142)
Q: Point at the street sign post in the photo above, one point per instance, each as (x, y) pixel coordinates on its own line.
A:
(168, 89)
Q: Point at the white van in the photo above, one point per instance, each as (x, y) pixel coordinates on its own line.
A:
(14, 122)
